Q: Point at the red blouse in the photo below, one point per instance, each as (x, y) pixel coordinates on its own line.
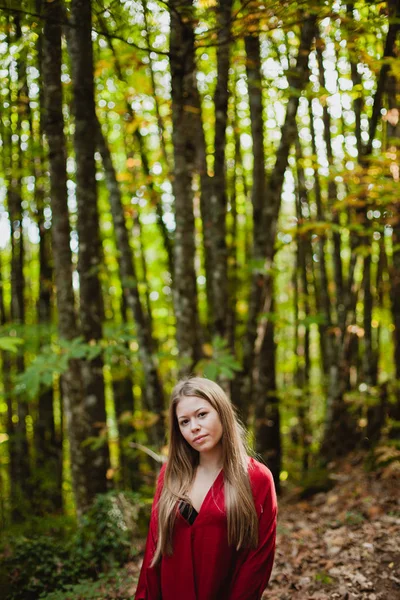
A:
(203, 565)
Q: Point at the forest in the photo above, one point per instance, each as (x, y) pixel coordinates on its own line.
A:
(188, 187)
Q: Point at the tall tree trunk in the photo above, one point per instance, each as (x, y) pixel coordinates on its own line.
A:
(95, 456)
(376, 411)
(53, 126)
(266, 202)
(20, 485)
(124, 402)
(332, 194)
(48, 441)
(153, 391)
(302, 340)
(185, 107)
(219, 197)
(7, 165)
(7, 394)
(242, 391)
(266, 404)
(233, 276)
(392, 86)
(79, 422)
(265, 360)
(393, 136)
(323, 287)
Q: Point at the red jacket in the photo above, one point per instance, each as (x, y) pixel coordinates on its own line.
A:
(203, 565)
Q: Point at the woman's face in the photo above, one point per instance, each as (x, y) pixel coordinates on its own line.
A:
(199, 423)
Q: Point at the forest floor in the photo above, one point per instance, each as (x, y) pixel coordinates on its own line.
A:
(344, 543)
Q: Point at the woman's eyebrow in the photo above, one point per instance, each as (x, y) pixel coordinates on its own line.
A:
(195, 411)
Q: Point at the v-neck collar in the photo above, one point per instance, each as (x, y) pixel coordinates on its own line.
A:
(205, 500)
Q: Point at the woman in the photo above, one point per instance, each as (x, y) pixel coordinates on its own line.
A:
(213, 521)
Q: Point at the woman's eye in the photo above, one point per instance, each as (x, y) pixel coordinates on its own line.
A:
(203, 414)
(184, 422)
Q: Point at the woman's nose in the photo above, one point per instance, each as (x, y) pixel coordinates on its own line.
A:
(194, 425)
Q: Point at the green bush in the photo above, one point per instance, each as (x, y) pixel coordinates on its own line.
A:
(39, 565)
(113, 585)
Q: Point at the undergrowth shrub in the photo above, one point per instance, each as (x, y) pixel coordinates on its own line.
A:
(31, 567)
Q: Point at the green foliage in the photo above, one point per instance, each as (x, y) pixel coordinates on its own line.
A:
(52, 360)
(10, 344)
(385, 456)
(324, 578)
(220, 362)
(110, 585)
(133, 98)
(36, 566)
(314, 481)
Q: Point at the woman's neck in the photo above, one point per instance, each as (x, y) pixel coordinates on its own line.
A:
(211, 461)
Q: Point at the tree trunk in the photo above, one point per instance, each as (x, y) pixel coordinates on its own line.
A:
(124, 402)
(87, 477)
(332, 194)
(323, 287)
(393, 136)
(96, 454)
(20, 484)
(219, 197)
(7, 394)
(266, 404)
(185, 107)
(53, 126)
(266, 361)
(302, 340)
(267, 198)
(47, 440)
(160, 123)
(242, 390)
(153, 391)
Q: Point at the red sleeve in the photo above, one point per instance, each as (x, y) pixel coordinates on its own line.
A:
(149, 585)
(253, 569)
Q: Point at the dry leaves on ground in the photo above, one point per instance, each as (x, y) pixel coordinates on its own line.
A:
(341, 544)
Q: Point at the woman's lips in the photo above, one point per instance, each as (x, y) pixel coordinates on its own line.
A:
(199, 439)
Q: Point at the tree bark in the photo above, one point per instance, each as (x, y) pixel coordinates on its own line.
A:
(79, 396)
(185, 108)
(332, 192)
(219, 272)
(19, 447)
(393, 137)
(266, 406)
(266, 199)
(89, 258)
(153, 391)
(242, 390)
(302, 299)
(53, 125)
(160, 122)
(124, 402)
(7, 393)
(48, 441)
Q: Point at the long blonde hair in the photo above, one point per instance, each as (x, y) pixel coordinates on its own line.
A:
(182, 462)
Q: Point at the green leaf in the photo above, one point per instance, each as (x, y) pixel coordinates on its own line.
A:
(10, 344)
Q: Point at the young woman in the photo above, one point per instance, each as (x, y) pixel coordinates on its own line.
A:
(213, 521)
